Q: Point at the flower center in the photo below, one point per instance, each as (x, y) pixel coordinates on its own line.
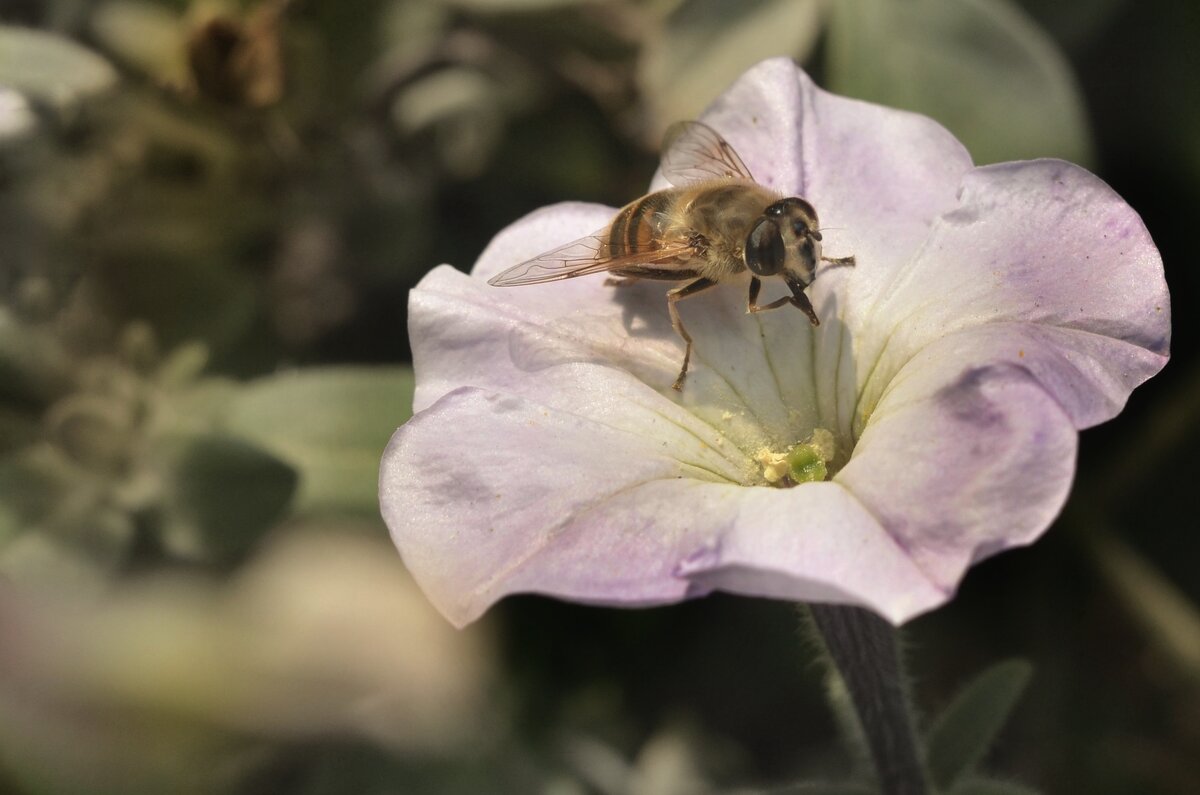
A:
(804, 462)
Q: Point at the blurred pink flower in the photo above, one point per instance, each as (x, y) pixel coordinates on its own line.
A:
(992, 313)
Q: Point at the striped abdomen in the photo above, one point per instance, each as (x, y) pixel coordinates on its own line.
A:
(641, 225)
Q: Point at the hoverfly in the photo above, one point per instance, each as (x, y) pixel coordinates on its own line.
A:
(712, 226)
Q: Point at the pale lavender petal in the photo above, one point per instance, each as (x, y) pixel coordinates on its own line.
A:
(518, 340)
(816, 542)
(461, 327)
(750, 375)
(877, 177)
(467, 332)
(868, 168)
(1040, 242)
(966, 454)
(481, 489)
(990, 314)
(617, 515)
(1089, 375)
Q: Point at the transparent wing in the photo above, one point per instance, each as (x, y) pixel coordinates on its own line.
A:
(590, 255)
(693, 151)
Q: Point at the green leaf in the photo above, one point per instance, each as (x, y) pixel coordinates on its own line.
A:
(226, 494)
(704, 45)
(991, 786)
(980, 67)
(52, 69)
(332, 425)
(964, 732)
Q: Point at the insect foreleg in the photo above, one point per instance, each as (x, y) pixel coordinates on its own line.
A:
(798, 299)
(673, 297)
(752, 301)
(835, 262)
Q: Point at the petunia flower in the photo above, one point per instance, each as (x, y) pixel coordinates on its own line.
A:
(929, 421)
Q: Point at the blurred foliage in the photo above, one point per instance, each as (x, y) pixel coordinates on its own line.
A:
(211, 212)
(980, 67)
(703, 44)
(963, 733)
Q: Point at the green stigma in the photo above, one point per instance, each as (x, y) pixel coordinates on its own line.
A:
(805, 464)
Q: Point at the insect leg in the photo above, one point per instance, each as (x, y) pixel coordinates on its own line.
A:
(752, 301)
(835, 262)
(838, 262)
(800, 300)
(674, 296)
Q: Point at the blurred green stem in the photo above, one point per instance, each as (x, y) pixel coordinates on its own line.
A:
(862, 648)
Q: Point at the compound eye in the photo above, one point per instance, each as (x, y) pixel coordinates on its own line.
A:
(805, 208)
(765, 252)
(793, 206)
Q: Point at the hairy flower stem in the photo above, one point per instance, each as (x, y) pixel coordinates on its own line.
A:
(862, 648)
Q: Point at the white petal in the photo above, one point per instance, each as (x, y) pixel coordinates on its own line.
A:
(1042, 242)
(964, 456)
(487, 495)
(752, 376)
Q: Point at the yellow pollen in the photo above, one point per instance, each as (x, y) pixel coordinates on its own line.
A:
(774, 465)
